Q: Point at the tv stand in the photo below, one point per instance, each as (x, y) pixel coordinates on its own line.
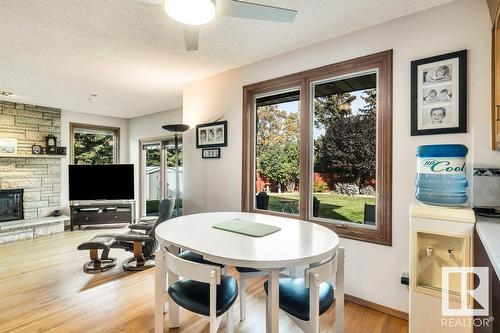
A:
(101, 212)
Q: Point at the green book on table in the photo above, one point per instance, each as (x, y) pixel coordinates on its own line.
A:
(247, 228)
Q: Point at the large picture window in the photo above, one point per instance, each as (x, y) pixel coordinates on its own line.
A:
(318, 146)
(94, 145)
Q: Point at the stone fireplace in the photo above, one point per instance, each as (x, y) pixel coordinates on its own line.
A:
(38, 176)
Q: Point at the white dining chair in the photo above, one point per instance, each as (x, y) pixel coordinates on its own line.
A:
(304, 300)
(202, 290)
(196, 257)
(246, 273)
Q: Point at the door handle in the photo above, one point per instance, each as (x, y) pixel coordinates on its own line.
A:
(497, 113)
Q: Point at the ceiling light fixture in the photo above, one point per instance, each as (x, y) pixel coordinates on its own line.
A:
(191, 12)
(6, 93)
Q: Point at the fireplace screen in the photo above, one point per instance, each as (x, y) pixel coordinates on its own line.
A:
(11, 205)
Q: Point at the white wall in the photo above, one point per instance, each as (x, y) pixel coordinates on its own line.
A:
(144, 127)
(85, 118)
(372, 271)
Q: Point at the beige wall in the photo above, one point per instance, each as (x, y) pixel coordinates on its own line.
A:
(372, 271)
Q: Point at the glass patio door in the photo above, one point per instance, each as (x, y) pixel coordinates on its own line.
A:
(173, 173)
(151, 184)
(160, 175)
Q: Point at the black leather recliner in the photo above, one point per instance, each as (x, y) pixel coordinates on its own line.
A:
(141, 238)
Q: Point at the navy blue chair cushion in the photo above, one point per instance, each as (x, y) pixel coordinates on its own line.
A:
(246, 270)
(195, 296)
(195, 257)
(294, 297)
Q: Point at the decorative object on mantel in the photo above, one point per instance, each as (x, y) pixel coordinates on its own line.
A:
(61, 151)
(36, 149)
(176, 129)
(439, 94)
(8, 147)
(210, 153)
(211, 135)
(51, 144)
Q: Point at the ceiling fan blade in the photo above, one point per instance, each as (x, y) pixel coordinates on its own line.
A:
(152, 2)
(238, 8)
(191, 37)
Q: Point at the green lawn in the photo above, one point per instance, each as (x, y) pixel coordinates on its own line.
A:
(332, 206)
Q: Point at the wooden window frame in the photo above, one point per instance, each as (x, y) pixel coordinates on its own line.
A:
(382, 63)
(116, 138)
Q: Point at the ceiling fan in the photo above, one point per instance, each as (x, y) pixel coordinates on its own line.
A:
(194, 13)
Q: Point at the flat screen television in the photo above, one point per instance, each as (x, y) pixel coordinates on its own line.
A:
(101, 182)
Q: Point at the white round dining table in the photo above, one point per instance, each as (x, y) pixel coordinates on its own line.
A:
(298, 243)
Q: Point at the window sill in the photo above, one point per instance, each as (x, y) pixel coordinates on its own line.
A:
(348, 230)
(359, 233)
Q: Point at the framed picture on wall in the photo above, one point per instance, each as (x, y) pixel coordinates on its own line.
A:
(439, 94)
(211, 135)
(8, 147)
(210, 153)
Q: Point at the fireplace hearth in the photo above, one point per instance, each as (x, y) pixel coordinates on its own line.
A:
(11, 205)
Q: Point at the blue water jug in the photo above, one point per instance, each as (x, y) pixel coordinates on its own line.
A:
(441, 177)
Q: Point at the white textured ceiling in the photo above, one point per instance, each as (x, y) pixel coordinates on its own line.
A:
(57, 52)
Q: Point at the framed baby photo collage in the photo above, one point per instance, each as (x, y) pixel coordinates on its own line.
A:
(439, 94)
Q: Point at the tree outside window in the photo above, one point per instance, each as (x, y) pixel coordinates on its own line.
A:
(92, 145)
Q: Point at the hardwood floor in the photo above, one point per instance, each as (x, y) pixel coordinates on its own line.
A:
(43, 289)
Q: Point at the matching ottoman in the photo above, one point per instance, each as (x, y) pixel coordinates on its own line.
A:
(96, 263)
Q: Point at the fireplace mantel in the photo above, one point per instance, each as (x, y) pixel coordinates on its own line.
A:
(32, 156)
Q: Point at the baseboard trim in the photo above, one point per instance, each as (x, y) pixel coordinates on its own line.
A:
(375, 306)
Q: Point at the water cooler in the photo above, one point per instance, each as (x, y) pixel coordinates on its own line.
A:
(439, 237)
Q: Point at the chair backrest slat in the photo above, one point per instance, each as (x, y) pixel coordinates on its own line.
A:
(192, 270)
(325, 271)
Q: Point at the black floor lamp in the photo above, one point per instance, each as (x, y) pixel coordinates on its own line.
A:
(176, 129)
